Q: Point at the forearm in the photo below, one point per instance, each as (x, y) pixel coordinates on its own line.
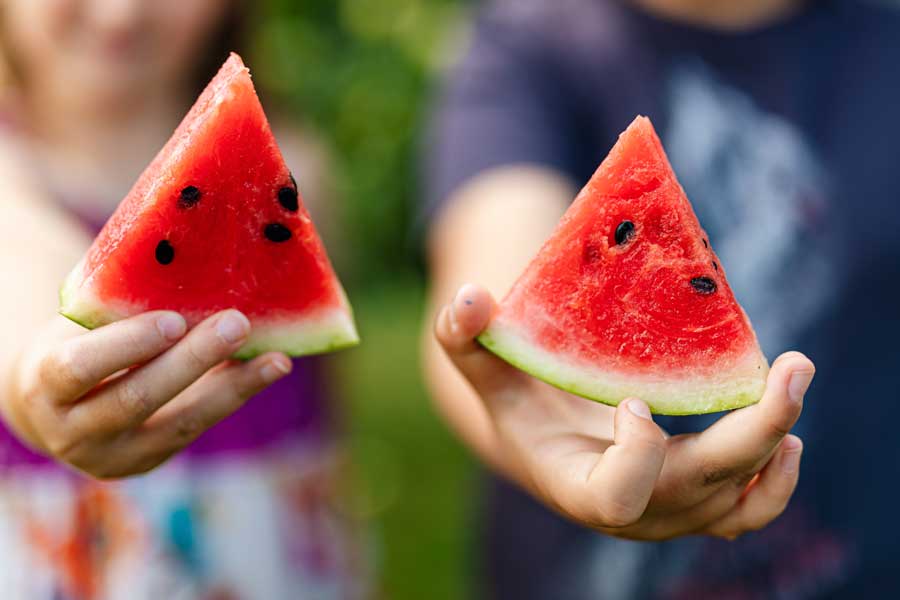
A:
(38, 244)
(486, 234)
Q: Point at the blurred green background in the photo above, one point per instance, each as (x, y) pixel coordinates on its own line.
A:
(361, 71)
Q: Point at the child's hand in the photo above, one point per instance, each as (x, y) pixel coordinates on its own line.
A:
(613, 469)
(70, 400)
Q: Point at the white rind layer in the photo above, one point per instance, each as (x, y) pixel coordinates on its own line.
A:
(743, 384)
(316, 332)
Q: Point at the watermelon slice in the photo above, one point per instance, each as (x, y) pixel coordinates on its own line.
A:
(216, 221)
(626, 298)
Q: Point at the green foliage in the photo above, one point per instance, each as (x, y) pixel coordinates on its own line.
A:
(411, 482)
(360, 70)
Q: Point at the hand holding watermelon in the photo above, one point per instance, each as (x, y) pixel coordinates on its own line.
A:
(626, 299)
(74, 399)
(613, 469)
(215, 229)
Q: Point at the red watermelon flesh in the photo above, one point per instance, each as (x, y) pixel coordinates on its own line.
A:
(216, 221)
(627, 298)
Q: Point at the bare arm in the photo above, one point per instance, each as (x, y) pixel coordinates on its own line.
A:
(38, 245)
(487, 234)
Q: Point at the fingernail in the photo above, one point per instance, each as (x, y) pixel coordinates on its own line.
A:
(171, 325)
(790, 457)
(798, 385)
(454, 324)
(462, 299)
(465, 293)
(275, 370)
(233, 327)
(639, 408)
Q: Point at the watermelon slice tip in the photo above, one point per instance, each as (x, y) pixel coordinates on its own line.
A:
(627, 298)
(216, 221)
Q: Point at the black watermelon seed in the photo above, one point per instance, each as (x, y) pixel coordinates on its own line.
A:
(276, 232)
(165, 253)
(287, 198)
(715, 266)
(624, 232)
(704, 285)
(189, 197)
(705, 243)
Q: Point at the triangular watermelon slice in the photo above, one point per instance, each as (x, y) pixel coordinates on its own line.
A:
(626, 298)
(216, 221)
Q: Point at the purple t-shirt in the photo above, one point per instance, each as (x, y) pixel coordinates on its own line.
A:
(784, 138)
(291, 411)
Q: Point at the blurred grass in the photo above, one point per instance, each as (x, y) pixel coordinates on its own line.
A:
(360, 72)
(412, 482)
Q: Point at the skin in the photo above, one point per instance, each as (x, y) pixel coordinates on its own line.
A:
(611, 469)
(102, 82)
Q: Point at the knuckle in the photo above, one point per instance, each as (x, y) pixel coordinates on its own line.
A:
(244, 386)
(64, 366)
(187, 429)
(138, 339)
(615, 514)
(33, 393)
(781, 425)
(780, 418)
(654, 445)
(134, 399)
(63, 447)
(195, 357)
(714, 474)
(85, 460)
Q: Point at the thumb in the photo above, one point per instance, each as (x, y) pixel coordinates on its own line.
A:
(626, 475)
(457, 326)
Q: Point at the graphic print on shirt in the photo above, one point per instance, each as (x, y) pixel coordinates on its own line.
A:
(761, 194)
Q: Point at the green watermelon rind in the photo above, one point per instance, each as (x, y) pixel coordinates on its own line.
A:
(676, 397)
(86, 314)
(331, 331)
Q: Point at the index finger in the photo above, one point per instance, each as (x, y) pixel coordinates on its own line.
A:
(741, 442)
(77, 365)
